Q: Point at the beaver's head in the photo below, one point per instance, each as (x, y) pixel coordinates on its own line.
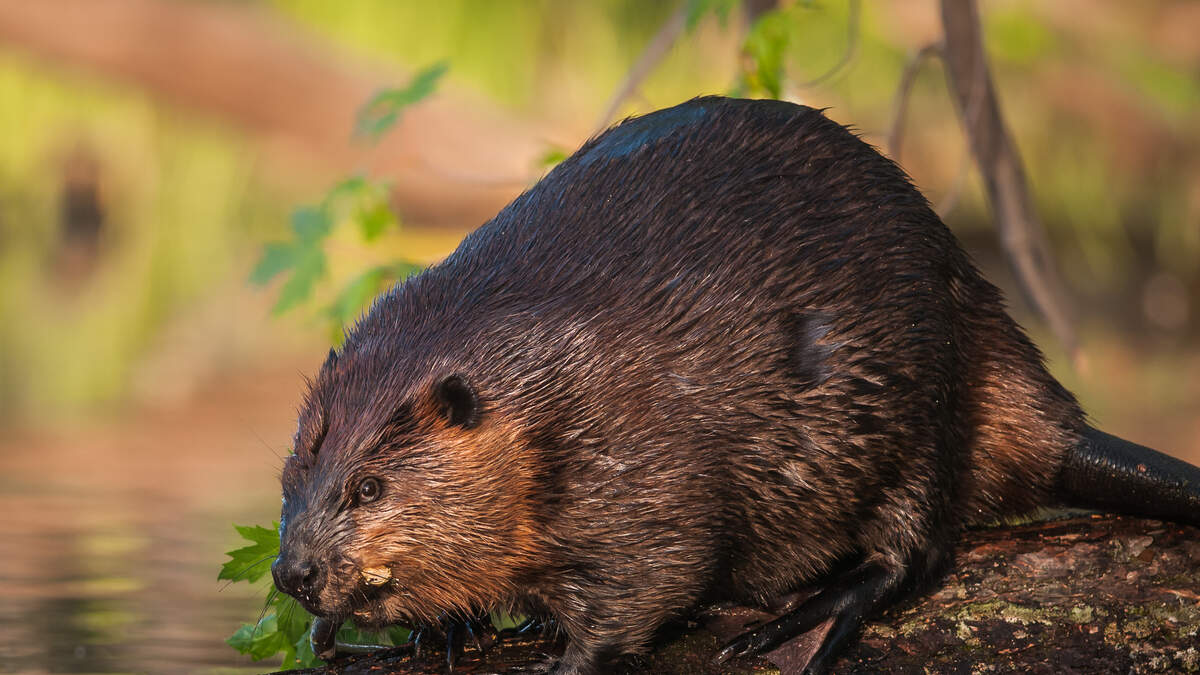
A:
(408, 495)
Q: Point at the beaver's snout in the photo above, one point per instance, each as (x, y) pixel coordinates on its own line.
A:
(300, 578)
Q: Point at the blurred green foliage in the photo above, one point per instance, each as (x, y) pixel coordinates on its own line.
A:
(699, 9)
(527, 55)
(383, 110)
(284, 626)
(766, 48)
(180, 201)
(1103, 105)
(359, 201)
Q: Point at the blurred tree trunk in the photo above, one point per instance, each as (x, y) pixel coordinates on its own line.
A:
(248, 67)
(1091, 594)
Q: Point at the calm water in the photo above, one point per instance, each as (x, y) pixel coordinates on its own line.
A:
(111, 535)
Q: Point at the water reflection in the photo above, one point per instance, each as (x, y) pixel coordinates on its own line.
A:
(111, 537)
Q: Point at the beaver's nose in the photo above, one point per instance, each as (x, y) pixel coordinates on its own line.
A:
(297, 578)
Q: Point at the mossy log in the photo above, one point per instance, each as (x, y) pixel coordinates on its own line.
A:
(1098, 594)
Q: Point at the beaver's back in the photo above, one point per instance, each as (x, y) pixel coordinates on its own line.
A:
(736, 334)
(744, 196)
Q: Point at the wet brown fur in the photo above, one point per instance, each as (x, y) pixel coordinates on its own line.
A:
(721, 349)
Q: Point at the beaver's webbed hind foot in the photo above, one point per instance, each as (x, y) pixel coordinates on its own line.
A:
(838, 610)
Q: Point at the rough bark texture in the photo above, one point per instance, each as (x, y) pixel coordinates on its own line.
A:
(1099, 594)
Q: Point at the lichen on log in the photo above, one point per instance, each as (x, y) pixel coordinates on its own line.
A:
(1096, 594)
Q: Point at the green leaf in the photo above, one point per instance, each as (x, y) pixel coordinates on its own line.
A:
(311, 223)
(304, 656)
(552, 157)
(367, 203)
(382, 111)
(243, 638)
(403, 269)
(276, 257)
(767, 45)
(260, 641)
(398, 635)
(303, 256)
(294, 621)
(356, 294)
(374, 219)
(502, 620)
(286, 627)
(251, 562)
(346, 188)
(309, 267)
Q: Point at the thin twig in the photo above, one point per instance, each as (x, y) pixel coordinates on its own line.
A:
(654, 52)
(852, 32)
(1021, 233)
(950, 200)
(980, 83)
(900, 113)
(900, 108)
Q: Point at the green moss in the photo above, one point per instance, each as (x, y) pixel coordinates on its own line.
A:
(1081, 614)
(1007, 611)
(1175, 622)
(1189, 659)
(881, 630)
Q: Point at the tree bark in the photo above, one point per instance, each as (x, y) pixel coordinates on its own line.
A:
(1095, 594)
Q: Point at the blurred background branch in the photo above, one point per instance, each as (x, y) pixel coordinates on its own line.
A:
(904, 91)
(655, 50)
(1016, 220)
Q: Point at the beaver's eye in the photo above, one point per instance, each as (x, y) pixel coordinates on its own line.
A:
(368, 490)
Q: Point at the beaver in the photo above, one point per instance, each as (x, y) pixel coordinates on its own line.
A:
(724, 350)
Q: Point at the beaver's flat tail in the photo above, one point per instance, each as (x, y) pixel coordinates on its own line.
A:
(1110, 473)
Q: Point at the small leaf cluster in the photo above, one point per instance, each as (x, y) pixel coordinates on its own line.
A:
(552, 157)
(284, 626)
(765, 53)
(383, 110)
(765, 49)
(358, 201)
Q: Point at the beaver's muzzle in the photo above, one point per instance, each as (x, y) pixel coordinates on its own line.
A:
(300, 578)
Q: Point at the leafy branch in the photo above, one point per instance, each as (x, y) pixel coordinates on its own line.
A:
(382, 111)
(284, 627)
(358, 201)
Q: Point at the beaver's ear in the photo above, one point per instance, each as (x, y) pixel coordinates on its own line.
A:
(458, 400)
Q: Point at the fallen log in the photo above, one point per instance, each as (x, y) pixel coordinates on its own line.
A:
(1091, 594)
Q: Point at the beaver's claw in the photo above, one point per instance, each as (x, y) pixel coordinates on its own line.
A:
(454, 630)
